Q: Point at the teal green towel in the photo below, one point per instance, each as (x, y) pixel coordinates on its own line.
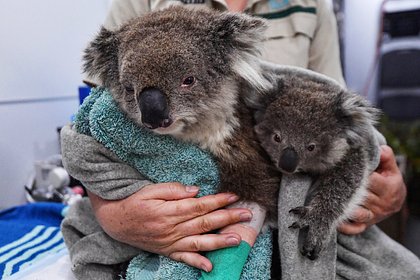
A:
(161, 158)
(227, 262)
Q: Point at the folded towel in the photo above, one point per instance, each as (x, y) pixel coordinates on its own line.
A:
(161, 158)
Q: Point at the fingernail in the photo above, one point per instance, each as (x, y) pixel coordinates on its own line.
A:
(192, 189)
(245, 216)
(203, 267)
(232, 241)
(233, 198)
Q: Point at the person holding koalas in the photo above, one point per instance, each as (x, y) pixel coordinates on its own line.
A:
(303, 34)
(300, 33)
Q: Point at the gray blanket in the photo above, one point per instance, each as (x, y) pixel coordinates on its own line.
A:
(370, 255)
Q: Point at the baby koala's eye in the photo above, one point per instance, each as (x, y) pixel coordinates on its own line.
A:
(188, 81)
(311, 147)
(129, 89)
(276, 138)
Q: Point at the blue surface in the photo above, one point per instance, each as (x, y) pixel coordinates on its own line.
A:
(29, 233)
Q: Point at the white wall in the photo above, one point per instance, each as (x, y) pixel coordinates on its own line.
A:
(40, 58)
(361, 25)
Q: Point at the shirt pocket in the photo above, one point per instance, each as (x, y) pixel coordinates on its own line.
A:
(288, 39)
(291, 26)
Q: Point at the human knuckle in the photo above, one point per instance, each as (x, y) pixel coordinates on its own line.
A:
(357, 215)
(179, 256)
(166, 245)
(173, 188)
(365, 215)
(175, 256)
(205, 225)
(231, 215)
(200, 208)
(395, 207)
(195, 245)
(164, 250)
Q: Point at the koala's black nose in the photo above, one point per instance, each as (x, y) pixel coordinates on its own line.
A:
(288, 160)
(154, 108)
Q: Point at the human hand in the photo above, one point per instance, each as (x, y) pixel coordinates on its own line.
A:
(386, 195)
(168, 220)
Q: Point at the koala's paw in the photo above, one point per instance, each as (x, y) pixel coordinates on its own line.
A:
(313, 243)
(302, 213)
(316, 234)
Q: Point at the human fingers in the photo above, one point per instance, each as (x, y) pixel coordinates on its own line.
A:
(184, 249)
(359, 220)
(188, 209)
(212, 221)
(168, 191)
(387, 160)
(352, 228)
(206, 242)
(362, 215)
(388, 185)
(192, 259)
(387, 169)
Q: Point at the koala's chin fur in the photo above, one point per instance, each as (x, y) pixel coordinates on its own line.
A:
(310, 124)
(185, 73)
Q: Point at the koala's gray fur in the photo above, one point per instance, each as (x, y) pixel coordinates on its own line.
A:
(310, 124)
(182, 72)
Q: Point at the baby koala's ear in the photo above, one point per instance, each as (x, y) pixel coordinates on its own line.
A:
(356, 115)
(101, 57)
(261, 130)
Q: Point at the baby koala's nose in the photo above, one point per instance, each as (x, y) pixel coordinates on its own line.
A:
(288, 160)
(154, 108)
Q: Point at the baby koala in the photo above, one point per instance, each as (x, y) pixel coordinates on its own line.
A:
(312, 125)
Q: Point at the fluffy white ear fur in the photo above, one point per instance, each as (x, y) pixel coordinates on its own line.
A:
(248, 35)
(248, 67)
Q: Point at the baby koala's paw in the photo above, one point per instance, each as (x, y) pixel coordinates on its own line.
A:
(315, 241)
(316, 233)
(302, 213)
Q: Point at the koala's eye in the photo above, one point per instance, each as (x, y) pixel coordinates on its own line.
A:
(187, 82)
(129, 89)
(276, 138)
(311, 147)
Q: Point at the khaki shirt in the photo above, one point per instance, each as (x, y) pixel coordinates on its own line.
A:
(300, 32)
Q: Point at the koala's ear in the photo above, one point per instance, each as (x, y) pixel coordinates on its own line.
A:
(262, 130)
(101, 57)
(243, 31)
(243, 36)
(356, 115)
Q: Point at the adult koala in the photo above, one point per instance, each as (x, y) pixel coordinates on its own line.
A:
(188, 74)
(182, 73)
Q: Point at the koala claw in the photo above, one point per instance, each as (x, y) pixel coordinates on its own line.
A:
(295, 225)
(312, 247)
(314, 237)
(303, 221)
(300, 211)
(311, 254)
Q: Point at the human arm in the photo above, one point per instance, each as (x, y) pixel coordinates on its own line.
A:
(161, 218)
(168, 220)
(386, 195)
